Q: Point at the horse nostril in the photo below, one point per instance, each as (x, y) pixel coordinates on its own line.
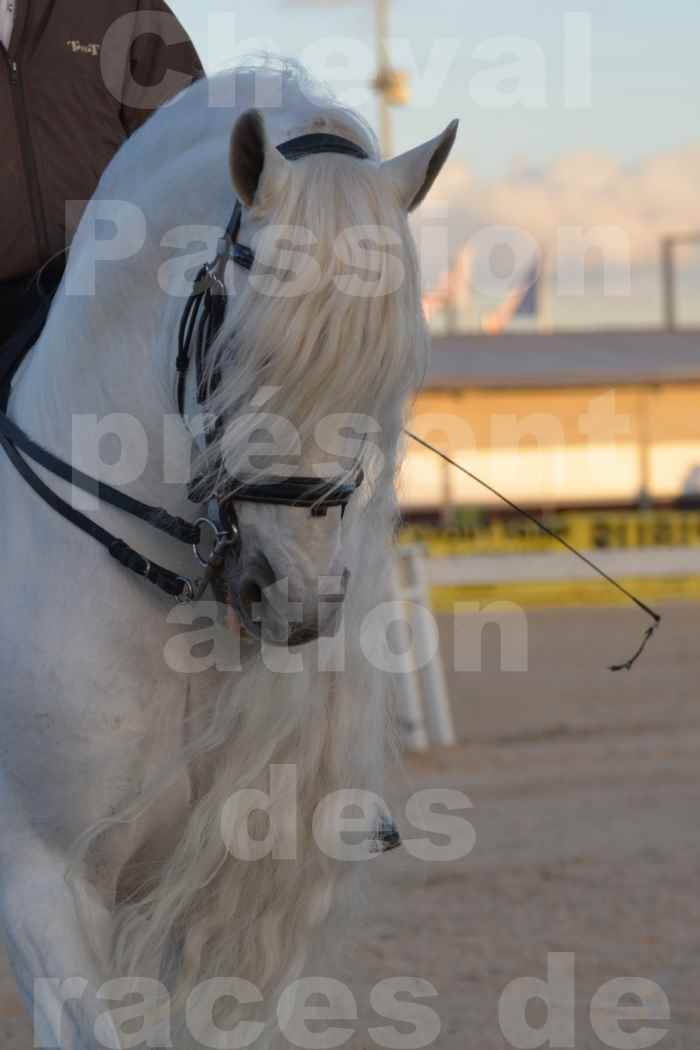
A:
(303, 635)
(251, 593)
(260, 576)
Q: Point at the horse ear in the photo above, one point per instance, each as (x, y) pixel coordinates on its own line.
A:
(255, 163)
(414, 173)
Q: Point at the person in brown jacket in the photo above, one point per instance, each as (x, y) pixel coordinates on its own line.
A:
(77, 78)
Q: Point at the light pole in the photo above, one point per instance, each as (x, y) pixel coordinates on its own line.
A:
(391, 85)
(668, 273)
(669, 282)
(383, 69)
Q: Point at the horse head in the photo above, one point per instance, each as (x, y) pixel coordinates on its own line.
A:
(321, 346)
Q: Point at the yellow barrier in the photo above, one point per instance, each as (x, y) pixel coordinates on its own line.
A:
(585, 530)
(562, 593)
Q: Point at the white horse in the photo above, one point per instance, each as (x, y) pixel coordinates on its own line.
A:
(125, 751)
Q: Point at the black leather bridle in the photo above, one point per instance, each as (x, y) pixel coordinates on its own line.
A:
(201, 322)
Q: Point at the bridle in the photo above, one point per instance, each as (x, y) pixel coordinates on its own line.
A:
(201, 322)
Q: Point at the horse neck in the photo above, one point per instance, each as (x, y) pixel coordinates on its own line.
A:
(113, 352)
(104, 355)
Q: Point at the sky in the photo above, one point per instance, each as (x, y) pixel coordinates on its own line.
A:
(645, 74)
(572, 114)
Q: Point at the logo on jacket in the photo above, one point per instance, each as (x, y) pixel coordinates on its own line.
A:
(85, 49)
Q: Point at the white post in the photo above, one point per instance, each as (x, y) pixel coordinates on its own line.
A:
(410, 710)
(434, 684)
(426, 687)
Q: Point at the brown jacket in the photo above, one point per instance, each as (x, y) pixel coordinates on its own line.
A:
(79, 77)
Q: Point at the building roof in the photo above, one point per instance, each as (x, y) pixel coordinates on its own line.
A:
(564, 359)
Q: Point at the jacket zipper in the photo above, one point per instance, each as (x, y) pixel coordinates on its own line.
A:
(33, 189)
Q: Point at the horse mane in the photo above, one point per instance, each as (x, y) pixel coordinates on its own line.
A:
(207, 914)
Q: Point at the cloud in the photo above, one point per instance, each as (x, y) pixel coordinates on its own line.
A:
(633, 206)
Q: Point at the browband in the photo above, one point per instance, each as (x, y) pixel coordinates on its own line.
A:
(307, 145)
(293, 149)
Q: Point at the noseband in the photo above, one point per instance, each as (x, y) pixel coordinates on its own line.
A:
(201, 322)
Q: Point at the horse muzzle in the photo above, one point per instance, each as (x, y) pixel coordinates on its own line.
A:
(267, 611)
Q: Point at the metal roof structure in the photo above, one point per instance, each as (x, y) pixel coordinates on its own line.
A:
(564, 359)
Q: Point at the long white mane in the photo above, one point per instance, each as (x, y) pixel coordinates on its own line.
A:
(206, 914)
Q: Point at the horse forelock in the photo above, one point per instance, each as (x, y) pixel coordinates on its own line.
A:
(354, 340)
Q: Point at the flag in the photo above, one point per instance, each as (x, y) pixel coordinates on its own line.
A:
(522, 301)
(452, 293)
(529, 305)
